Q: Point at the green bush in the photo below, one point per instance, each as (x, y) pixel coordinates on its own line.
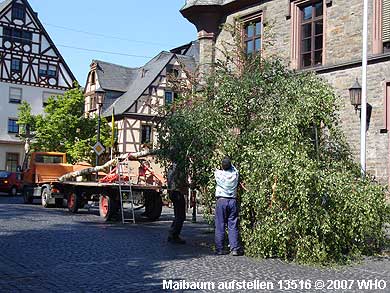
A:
(304, 198)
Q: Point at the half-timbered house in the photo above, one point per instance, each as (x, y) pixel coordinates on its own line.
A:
(31, 69)
(135, 95)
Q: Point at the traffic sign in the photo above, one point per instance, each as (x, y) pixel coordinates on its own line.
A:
(99, 148)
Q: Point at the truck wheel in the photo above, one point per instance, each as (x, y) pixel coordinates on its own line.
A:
(27, 199)
(153, 206)
(45, 198)
(105, 207)
(73, 202)
(13, 191)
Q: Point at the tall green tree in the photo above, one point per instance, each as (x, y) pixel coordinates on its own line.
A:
(63, 127)
(303, 196)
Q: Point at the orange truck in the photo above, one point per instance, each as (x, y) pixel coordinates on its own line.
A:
(41, 171)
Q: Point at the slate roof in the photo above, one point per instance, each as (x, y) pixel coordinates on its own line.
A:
(115, 77)
(140, 81)
(188, 55)
(133, 82)
(191, 3)
(190, 49)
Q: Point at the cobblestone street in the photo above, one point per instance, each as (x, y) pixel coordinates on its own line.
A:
(50, 250)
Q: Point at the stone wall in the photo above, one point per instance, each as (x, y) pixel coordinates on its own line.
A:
(342, 51)
(377, 142)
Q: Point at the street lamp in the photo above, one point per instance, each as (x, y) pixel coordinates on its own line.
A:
(355, 94)
(99, 97)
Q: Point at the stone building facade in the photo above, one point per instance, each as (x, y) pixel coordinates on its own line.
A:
(324, 36)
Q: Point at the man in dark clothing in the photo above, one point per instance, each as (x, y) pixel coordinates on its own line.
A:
(176, 191)
(226, 210)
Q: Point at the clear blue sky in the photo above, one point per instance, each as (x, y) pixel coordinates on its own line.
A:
(158, 23)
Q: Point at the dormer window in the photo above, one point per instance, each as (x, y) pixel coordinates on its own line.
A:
(93, 77)
(173, 71)
(18, 12)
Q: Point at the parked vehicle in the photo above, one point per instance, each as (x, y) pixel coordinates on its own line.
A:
(10, 182)
(42, 171)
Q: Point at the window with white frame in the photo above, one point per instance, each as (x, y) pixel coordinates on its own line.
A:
(48, 70)
(11, 162)
(170, 97)
(13, 126)
(15, 95)
(16, 65)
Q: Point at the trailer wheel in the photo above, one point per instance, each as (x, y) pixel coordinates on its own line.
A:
(153, 205)
(105, 207)
(73, 202)
(27, 199)
(45, 198)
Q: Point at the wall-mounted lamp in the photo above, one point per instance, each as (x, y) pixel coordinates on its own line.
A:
(355, 94)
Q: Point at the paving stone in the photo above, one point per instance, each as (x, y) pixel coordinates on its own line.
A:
(50, 250)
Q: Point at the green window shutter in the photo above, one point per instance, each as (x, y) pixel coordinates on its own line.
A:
(386, 21)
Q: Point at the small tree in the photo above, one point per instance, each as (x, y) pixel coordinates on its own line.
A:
(304, 198)
(63, 127)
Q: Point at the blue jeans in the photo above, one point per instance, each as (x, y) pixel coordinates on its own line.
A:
(226, 213)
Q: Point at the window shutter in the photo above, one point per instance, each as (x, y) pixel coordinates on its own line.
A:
(386, 21)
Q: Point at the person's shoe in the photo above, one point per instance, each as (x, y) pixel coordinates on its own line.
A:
(236, 253)
(220, 252)
(176, 240)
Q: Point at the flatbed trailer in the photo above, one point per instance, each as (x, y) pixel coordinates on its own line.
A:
(78, 194)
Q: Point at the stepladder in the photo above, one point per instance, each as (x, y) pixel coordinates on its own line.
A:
(126, 195)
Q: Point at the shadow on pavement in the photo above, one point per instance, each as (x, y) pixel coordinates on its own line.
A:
(45, 250)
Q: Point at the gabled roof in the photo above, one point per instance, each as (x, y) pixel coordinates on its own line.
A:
(189, 62)
(34, 15)
(144, 77)
(190, 49)
(4, 4)
(133, 82)
(115, 77)
(188, 55)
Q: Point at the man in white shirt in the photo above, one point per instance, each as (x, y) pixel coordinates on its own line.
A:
(226, 210)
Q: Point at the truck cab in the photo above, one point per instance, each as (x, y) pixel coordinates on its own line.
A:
(39, 170)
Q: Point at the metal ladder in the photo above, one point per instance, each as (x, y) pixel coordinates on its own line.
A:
(125, 190)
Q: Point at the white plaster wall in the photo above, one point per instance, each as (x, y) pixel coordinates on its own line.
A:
(10, 148)
(33, 95)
